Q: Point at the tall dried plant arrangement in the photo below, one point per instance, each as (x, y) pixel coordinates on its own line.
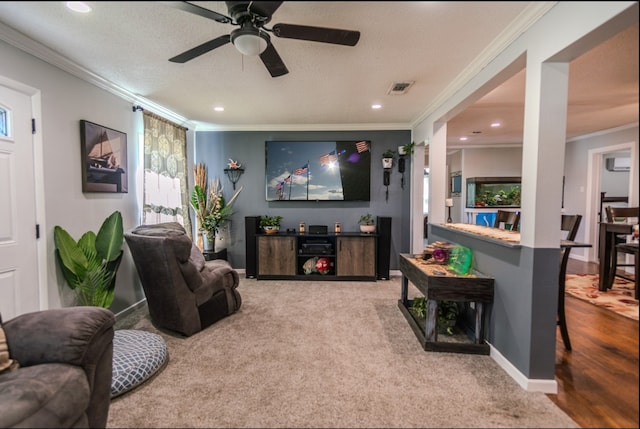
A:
(207, 200)
(200, 179)
(200, 175)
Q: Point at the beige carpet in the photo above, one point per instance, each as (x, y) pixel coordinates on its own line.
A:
(620, 298)
(324, 355)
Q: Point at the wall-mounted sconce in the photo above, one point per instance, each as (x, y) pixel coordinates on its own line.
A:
(233, 172)
(449, 203)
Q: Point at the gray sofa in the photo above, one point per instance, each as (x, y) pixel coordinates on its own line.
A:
(64, 373)
(185, 293)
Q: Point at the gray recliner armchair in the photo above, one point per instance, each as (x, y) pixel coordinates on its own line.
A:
(64, 363)
(184, 292)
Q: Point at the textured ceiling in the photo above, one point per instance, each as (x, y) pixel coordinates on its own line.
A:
(128, 44)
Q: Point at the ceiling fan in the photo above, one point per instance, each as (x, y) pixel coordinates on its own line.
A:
(252, 37)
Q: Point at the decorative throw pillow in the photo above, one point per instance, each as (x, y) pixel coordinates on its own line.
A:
(6, 363)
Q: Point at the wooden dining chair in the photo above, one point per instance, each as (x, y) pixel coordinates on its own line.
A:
(507, 217)
(623, 214)
(570, 225)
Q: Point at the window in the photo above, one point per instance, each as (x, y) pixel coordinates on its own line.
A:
(425, 201)
(4, 123)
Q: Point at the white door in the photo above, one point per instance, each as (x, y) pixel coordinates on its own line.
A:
(19, 289)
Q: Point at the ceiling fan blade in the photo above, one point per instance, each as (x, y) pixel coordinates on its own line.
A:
(264, 8)
(192, 8)
(201, 49)
(317, 34)
(273, 62)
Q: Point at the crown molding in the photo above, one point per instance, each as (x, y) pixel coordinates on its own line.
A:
(204, 126)
(38, 50)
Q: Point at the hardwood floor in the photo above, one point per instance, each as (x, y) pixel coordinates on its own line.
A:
(598, 380)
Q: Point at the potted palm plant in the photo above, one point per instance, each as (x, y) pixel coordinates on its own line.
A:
(89, 265)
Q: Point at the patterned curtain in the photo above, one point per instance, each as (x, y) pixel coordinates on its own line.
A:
(166, 195)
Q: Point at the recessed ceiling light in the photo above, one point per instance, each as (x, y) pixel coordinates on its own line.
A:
(376, 106)
(219, 109)
(78, 6)
(496, 124)
(463, 139)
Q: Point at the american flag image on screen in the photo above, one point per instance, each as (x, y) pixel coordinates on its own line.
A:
(362, 146)
(302, 170)
(328, 158)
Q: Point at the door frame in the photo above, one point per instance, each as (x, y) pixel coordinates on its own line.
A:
(40, 264)
(594, 172)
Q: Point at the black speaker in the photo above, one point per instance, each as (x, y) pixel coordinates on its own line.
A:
(251, 227)
(384, 246)
(318, 229)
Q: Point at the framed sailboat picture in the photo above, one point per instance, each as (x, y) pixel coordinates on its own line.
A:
(104, 158)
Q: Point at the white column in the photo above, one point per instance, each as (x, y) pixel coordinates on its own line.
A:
(543, 149)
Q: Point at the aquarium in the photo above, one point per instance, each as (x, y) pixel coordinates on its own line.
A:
(493, 192)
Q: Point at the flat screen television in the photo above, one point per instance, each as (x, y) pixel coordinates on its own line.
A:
(318, 170)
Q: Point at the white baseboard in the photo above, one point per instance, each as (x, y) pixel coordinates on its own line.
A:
(530, 385)
(131, 308)
(577, 257)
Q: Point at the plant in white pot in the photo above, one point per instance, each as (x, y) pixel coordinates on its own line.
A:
(270, 224)
(406, 149)
(367, 223)
(387, 158)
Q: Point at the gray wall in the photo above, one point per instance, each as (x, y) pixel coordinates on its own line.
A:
(66, 100)
(577, 180)
(614, 183)
(248, 147)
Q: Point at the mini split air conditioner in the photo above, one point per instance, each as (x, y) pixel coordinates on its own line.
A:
(618, 164)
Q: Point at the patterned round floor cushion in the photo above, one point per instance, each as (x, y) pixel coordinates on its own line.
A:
(137, 355)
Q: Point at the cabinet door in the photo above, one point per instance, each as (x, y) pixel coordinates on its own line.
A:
(276, 256)
(356, 256)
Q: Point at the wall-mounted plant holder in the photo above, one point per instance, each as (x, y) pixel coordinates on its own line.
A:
(233, 172)
(386, 179)
(401, 169)
(387, 164)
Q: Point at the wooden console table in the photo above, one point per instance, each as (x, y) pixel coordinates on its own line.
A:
(437, 283)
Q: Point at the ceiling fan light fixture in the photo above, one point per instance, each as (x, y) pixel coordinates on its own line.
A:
(249, 41)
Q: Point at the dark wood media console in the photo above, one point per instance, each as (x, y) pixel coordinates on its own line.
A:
(351, 255)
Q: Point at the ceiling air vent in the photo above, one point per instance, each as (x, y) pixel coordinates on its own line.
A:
(398, 88)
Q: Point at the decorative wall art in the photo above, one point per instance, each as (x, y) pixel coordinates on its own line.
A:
(104, 158)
